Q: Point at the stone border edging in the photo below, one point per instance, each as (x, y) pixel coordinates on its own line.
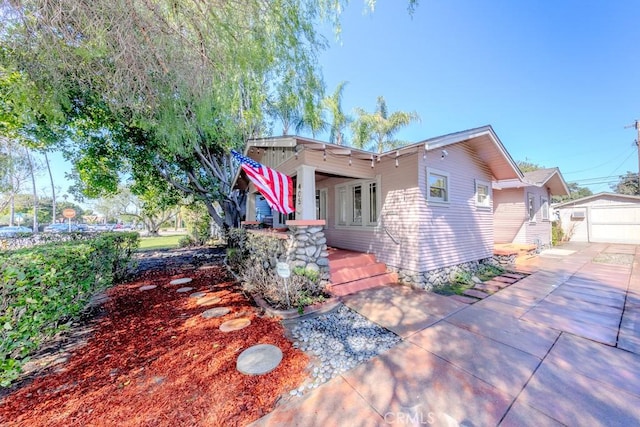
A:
(309, 311)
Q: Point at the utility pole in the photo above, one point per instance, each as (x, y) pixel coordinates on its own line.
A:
(636, 125)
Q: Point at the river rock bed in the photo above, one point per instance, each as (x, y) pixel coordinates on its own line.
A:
(338, 341)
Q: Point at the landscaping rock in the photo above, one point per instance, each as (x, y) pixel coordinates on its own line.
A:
(215, 312)
(235, 324)
(185, 289)
(180, 281)
(259, 359)
(207, 301)
(147, 287)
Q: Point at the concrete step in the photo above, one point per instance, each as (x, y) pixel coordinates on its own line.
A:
(505, 279)
(475, 293)
(349, 274)
(496, 283)
(347, 288)
(341, 260)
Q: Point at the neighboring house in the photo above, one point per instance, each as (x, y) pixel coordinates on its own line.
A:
(602, 217)
(419, 208)
(521, 207)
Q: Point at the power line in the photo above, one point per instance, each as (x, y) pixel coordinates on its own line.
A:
(600, 165)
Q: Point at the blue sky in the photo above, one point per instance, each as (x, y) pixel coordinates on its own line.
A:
(558, 80)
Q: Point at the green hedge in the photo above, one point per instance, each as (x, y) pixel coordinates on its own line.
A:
(42, 287)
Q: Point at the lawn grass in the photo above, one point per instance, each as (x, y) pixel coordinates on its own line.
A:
(159, 242)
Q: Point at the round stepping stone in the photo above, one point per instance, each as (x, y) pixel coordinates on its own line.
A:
(181, 281)
(147, 287)
(207, 301)
(259, 359)
(215, 312)
(185, 289)
(235, 324)
(198, 294)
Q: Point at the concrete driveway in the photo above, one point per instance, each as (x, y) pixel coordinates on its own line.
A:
(559, 347)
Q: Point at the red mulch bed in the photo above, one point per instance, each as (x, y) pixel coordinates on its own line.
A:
(152, 360)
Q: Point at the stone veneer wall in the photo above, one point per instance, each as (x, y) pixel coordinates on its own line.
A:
(438, 277)
(304, 246)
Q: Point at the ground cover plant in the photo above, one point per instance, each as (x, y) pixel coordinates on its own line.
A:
(463, 280)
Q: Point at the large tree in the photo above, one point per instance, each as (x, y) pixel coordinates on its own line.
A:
(628, 183)
(163, 89)
(376, 131)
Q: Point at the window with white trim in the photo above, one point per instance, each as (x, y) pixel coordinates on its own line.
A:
(357, 203)
(544, 207)
(437, 186)
(531, 207)
(483, 194)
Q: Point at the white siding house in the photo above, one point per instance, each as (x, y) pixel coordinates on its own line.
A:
(602, 217)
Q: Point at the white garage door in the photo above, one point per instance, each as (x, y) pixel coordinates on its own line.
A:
(614, 224)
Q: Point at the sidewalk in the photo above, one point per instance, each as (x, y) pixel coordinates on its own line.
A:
(561, 346)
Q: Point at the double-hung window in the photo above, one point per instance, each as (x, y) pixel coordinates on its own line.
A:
(544, 207)
(531, 207)
(357, 203)
(438, 186)
(483, 194)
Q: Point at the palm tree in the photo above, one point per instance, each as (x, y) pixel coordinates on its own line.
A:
(333, 104)
(379, 128)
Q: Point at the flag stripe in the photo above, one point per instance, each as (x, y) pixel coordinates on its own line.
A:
(276, 187)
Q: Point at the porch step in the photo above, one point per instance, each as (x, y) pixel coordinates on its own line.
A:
(354, 271)
(348, 274)
(342, 289)
(339, 259)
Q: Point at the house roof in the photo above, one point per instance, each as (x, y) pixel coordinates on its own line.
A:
(550, 178)
(598, 196)
(487, 146)
(483, 140)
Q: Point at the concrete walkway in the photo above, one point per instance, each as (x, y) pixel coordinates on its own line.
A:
(560, 347)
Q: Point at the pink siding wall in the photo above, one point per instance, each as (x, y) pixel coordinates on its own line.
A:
(412, 233)
(511, 216)
(461, 231)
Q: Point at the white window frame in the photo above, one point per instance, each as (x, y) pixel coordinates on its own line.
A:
(531, 207)
(487, 202)
(345, 208)
(544, 208)
(435, 199)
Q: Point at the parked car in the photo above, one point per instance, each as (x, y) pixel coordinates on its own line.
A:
(83, 227)
(14, 230)
(60, 228)
(104, 227)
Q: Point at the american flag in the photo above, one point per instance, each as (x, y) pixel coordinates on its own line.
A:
(276, 187)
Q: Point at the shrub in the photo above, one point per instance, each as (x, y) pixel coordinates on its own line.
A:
(43, 287)
(557, 235)
(300, 289)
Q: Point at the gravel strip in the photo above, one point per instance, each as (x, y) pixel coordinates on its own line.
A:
(337, 342)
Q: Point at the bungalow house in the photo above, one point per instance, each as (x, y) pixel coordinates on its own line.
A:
(602, 217)
(421, 209)
(521, 210)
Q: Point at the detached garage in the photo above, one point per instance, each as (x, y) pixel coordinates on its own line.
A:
(603, 217)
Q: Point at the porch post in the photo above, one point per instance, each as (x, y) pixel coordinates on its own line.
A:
(251, 206)
(306, 192)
